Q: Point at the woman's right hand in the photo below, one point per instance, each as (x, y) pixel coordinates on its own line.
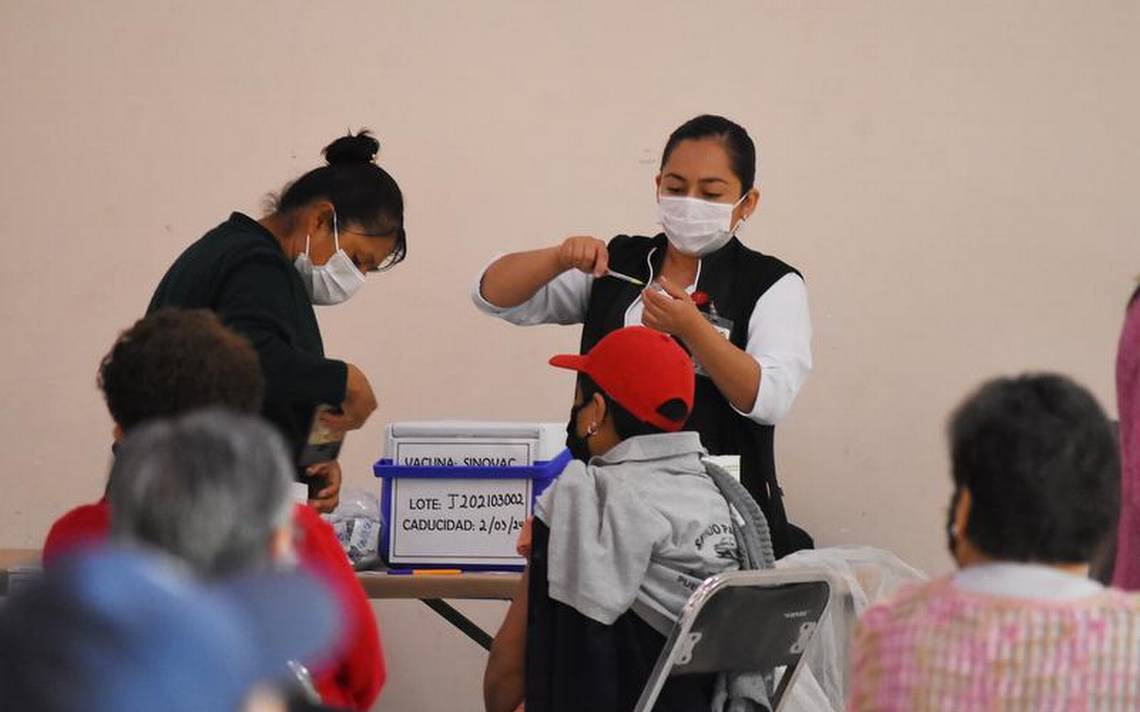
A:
(359, 402)
(585, 253)
(512, 279)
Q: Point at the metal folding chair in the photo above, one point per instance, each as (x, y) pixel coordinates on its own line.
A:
(744, 621)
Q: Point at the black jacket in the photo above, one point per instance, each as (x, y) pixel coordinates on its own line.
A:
(575, 663)
(239, 270)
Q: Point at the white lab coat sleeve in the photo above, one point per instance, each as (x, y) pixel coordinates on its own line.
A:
(563, 300)
(779, 338)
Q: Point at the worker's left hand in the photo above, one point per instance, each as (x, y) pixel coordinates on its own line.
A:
(673, 312)
(524, 540)
(329, 495)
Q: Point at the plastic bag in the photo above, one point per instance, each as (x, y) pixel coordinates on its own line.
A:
(357, 522)
(806, 695)
(868, 576)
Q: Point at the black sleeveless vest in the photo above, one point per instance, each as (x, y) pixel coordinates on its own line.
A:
(733, 277)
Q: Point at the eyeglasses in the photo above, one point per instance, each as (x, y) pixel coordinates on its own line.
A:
(398, 253)
(399, 250)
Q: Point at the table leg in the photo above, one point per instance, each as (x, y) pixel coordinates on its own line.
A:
(460, 621)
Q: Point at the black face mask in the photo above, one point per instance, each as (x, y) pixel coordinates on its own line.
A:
(577, 445)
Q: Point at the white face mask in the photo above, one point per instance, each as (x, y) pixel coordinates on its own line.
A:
(334, 281)
(697, 227)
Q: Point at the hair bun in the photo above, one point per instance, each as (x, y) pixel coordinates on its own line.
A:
(361, 148)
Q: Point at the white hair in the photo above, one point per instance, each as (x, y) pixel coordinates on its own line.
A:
(211, 487)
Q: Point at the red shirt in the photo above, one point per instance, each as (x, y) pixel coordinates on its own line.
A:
(354, 678)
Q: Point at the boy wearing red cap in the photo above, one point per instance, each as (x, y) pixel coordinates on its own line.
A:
(631, 527)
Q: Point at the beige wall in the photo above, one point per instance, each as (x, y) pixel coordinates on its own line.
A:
(957, 181)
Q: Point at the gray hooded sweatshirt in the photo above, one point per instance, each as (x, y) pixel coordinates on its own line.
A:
(639, 528)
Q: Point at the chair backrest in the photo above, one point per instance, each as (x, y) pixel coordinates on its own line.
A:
(744, 621)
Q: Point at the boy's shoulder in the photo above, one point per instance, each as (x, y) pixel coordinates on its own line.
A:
(577, 474)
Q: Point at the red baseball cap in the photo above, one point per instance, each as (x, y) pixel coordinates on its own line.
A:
(642, 370)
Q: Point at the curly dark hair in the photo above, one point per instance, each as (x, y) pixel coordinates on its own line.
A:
(1038, 456)
(178, 360)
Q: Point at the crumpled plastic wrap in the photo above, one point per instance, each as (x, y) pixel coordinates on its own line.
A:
(808, 696)
(868, 576)
(357, 522)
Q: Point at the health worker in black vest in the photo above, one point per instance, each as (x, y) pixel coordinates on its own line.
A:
(327, 230)
(741, 314)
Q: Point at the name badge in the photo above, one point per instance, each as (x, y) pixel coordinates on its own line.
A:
(723, 327)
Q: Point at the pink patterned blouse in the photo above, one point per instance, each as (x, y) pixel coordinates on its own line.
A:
(940, 647)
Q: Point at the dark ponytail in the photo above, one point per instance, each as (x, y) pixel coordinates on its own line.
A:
(364, 196)
(737, 143)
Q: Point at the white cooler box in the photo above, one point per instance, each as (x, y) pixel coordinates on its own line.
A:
(456, 493)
